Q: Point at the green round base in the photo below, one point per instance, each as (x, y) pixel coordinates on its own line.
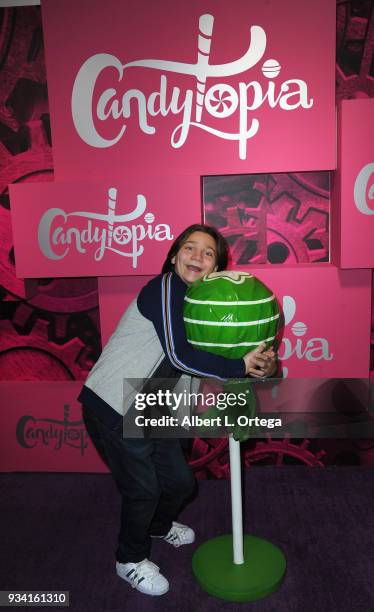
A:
(260, 575)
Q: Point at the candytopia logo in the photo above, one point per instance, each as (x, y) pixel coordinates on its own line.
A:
(53, 433)
(60, 232)
(194, 107)
(298, 344)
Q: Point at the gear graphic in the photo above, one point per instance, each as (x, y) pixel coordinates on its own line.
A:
(343, 451)
(355, 49)
(62, 329)
(34, 357)
(277, 218)
(209, 458)
(279, 451)
(23, 93)
(69, 305)
(55, 320)
(7, 23)
(289, 241)
(25, 151)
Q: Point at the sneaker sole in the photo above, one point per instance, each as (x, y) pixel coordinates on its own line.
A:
(153, 594)
(138, 588)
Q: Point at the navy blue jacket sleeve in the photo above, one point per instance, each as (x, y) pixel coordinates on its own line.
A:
(162, 301)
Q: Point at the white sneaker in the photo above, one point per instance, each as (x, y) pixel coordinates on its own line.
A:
(180, 534)
(144, 576)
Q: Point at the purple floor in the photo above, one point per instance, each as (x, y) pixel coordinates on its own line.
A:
(59, 532)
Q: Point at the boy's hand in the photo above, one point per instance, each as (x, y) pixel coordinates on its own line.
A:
(261, 362)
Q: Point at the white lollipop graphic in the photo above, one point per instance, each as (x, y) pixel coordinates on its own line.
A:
(289, 308)
(205, 39)
(112, 199)
(299, 329)
(271, 68)
(221, 101)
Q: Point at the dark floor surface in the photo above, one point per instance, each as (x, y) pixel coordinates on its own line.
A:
(58, 531)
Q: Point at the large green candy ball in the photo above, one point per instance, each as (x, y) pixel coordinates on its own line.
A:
(230, 313)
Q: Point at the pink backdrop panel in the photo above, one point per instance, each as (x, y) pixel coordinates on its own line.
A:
(355, 184)
(42, 429)
(327, 316)
(322, 339)
(100, 229)
(210, 87)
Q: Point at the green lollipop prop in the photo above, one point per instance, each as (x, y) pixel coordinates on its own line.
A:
(231, 313)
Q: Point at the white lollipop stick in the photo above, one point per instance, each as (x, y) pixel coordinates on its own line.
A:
(112, 200)
(204, 42)
(236, 501)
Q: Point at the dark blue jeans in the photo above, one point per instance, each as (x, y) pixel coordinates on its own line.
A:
(153, 479)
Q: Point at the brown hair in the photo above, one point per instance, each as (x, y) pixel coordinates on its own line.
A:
(222, 247)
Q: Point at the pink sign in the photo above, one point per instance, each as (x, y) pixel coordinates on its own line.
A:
(321, 338)
(320, 330)
(100, 229)
(354, 197)
(43, 431)
(209, 87)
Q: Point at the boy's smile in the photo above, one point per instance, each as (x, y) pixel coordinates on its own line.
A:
(196, 257)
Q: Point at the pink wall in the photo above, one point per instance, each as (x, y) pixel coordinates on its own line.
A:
(353, 244)
(50, 329)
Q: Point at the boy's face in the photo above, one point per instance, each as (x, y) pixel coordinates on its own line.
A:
(196, 257)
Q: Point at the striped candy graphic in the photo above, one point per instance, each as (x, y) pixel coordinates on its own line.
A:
(230, 313)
